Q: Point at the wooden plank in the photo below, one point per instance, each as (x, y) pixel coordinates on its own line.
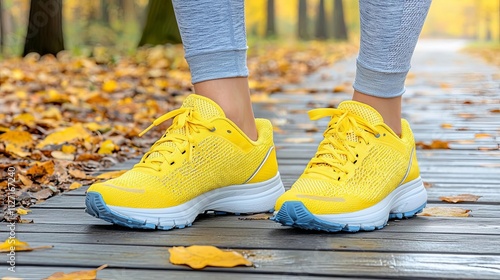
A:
(294, 262)
(471, 225)
(281, 238)
(39, 272)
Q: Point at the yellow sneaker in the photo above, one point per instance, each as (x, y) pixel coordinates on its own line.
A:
(203, 162)
(362, 175)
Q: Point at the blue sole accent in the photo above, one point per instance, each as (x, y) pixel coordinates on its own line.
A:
(96, 207)
(295, 214)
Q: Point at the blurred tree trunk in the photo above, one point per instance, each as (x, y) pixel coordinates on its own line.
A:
(128, 8)
(104, 12)
(44, 34)
(271, 19)
(302, 24)
(339, 27)
(161, 25)
(321, 31)
(2, 29)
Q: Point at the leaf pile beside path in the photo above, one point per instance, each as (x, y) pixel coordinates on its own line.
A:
(65, 118)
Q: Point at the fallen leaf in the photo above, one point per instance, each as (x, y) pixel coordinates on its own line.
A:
(111, 174)
(65, 135)
(427, 185)
(26, 119)
(261, 216)
(446, 125)
(22, 211)
(460, 198)
(436, 144)
(68, 149)
(25, 180)
(339, 88)
(62, 155)
(74, 186)
(77, 174)
(299, 140)
(14, 244)
(482, 135)
(16, 151)
(466, 115)
(198, 257)
(495, 111)
(109, 86)
(20, 139)
(445, 212)
(107, 147)
(77, 275)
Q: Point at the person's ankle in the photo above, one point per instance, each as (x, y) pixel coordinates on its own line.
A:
(232, 95)
(388, 108)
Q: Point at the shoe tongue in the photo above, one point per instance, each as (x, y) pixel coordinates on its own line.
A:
(364, 111)
(204, 106)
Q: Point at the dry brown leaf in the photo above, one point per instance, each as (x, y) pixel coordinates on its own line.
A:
(460, 198)
(261, 216)
(495, 111)
(25, 180)
(77, 275)
(427, 185)
(62, 156)
(111, 174)
(445, 212)
(77, 174)
(300, 140)
(466, 115)
(14, 244)
(198, 257)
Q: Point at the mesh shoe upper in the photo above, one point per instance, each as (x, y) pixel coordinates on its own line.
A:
(201, 151)
(359, 162)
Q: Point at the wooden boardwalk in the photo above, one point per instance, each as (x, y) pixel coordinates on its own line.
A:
(446, 87)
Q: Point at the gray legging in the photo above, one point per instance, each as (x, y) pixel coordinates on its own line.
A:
(213, 32)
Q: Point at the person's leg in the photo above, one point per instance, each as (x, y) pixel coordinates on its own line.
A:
(389, 33)
(215, 155)
(365, 170)
(216, 46)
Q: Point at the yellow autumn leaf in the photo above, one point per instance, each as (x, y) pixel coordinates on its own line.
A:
(22, 211)
(15, 150)
(74, 186)
(68, 149)
(17, 74)
(198, 257)
(77, 275)
(26, 119)
(107, 147)
(14, 244)
(65, 135)
(20, 139)
(111, 174)
(109, 86)
(446, 125)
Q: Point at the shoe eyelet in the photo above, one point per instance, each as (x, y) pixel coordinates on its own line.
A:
(384, 134)
(183, 152)
(354, 162)
(338, 179)
(357, 155)
(378, 135)
(172, 163)
(228, 131)
(213, 129)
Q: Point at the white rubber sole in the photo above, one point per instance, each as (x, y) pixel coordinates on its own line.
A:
(246, 198)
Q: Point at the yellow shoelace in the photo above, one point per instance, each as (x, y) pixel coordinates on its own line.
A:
(186, 119)
(337, 147)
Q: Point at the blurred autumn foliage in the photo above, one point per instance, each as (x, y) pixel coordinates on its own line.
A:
(65, 118)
